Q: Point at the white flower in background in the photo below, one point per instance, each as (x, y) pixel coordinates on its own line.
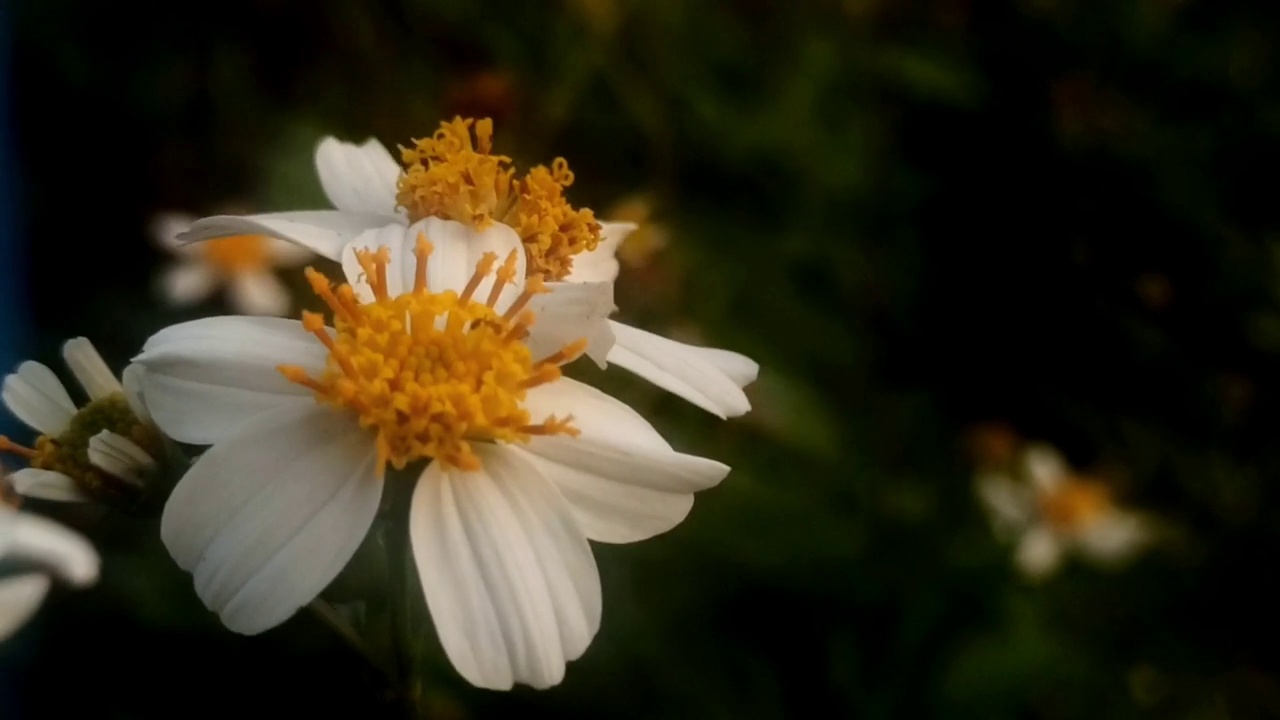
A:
(102, 451)
(33, 552)
(436, 357)
(454, 177)
(1050, 511)
(244, 264)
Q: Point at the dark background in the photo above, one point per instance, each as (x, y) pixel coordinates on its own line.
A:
(919, 216)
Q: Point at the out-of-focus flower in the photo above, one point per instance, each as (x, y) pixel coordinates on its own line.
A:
(102, 451)
(37, 551)
(1049, 510)
(244, 264)
(648, 238)
(433, 357)
(455, 176)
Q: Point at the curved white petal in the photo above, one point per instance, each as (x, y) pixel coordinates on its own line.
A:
(358, 178)
(1115, 537)
(63, 551)
(205, 377)
(267, 518)
(706, 377)
(258, 293)
(623, 481)
(508, 576)
(117, 455)
(187, 282)
(20, 597)
(572, 311)
(165, 227)
(90, 369)
(601, 265)
(131, 381)
(47, 485)
(456, 249)
(1039, 553)
(1044, 467)
(324, 232)
(36, 396)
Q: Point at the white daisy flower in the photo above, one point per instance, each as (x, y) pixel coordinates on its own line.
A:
(1049, 511)
(102, 451)
(243, 264)
(37, 550)
(454, 177)
(427, 361)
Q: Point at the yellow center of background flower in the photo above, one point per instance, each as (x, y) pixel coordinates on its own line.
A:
(432, 372)
(454, 177)
(1075, 504)
(237, 254)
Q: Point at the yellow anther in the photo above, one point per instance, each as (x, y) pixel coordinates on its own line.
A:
(566, 354)
(421, 251)
(505, 275)
(430, 391)
(9, 446)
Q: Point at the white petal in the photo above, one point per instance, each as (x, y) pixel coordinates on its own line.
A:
(165, 227)
(1044, 467)
(572, 311)
(119, 456)
(325, 232)
(204, 378)
(456, 248)
(509, 578)
(1115, 537)
(1038, 553)
(47, 485)
(131, 380)
(268, 517)
(358, 178)
(705, 377)
(90, 369)
(258, 293)
(65, 552)
(20, 597)
(187, 282)
(1010, 504)
(623, 481)
(601, 265)
(36, 396)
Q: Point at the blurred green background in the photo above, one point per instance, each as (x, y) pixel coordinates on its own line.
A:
(918, 216)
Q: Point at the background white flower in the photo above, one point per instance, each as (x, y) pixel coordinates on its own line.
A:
(269, 515)
(1048, 510)
(40, 550)
(362, 183)
(244, 264)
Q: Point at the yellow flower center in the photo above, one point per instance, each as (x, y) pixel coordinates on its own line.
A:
(454, 177)
(68, 453)
(1075, 504)
(432, 372)
(236, 254)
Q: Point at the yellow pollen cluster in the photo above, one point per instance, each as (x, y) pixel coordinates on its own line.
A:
(432, 373)
(236, 254)
(451, 176)
(1075, 504)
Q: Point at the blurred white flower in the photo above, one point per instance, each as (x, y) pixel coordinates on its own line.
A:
(455, 177)
(244, 264)
(101, 451)
(435, 357)
(1048, 510)
(37, 551)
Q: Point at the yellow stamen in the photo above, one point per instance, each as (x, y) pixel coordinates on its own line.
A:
(422, 251)
(506, 274)
(430, 392)
(9, 446)
(533, 286)
(451, 176)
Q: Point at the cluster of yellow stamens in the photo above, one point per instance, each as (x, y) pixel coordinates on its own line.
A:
(432, 372)
(454, 177)
(1074, 504)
